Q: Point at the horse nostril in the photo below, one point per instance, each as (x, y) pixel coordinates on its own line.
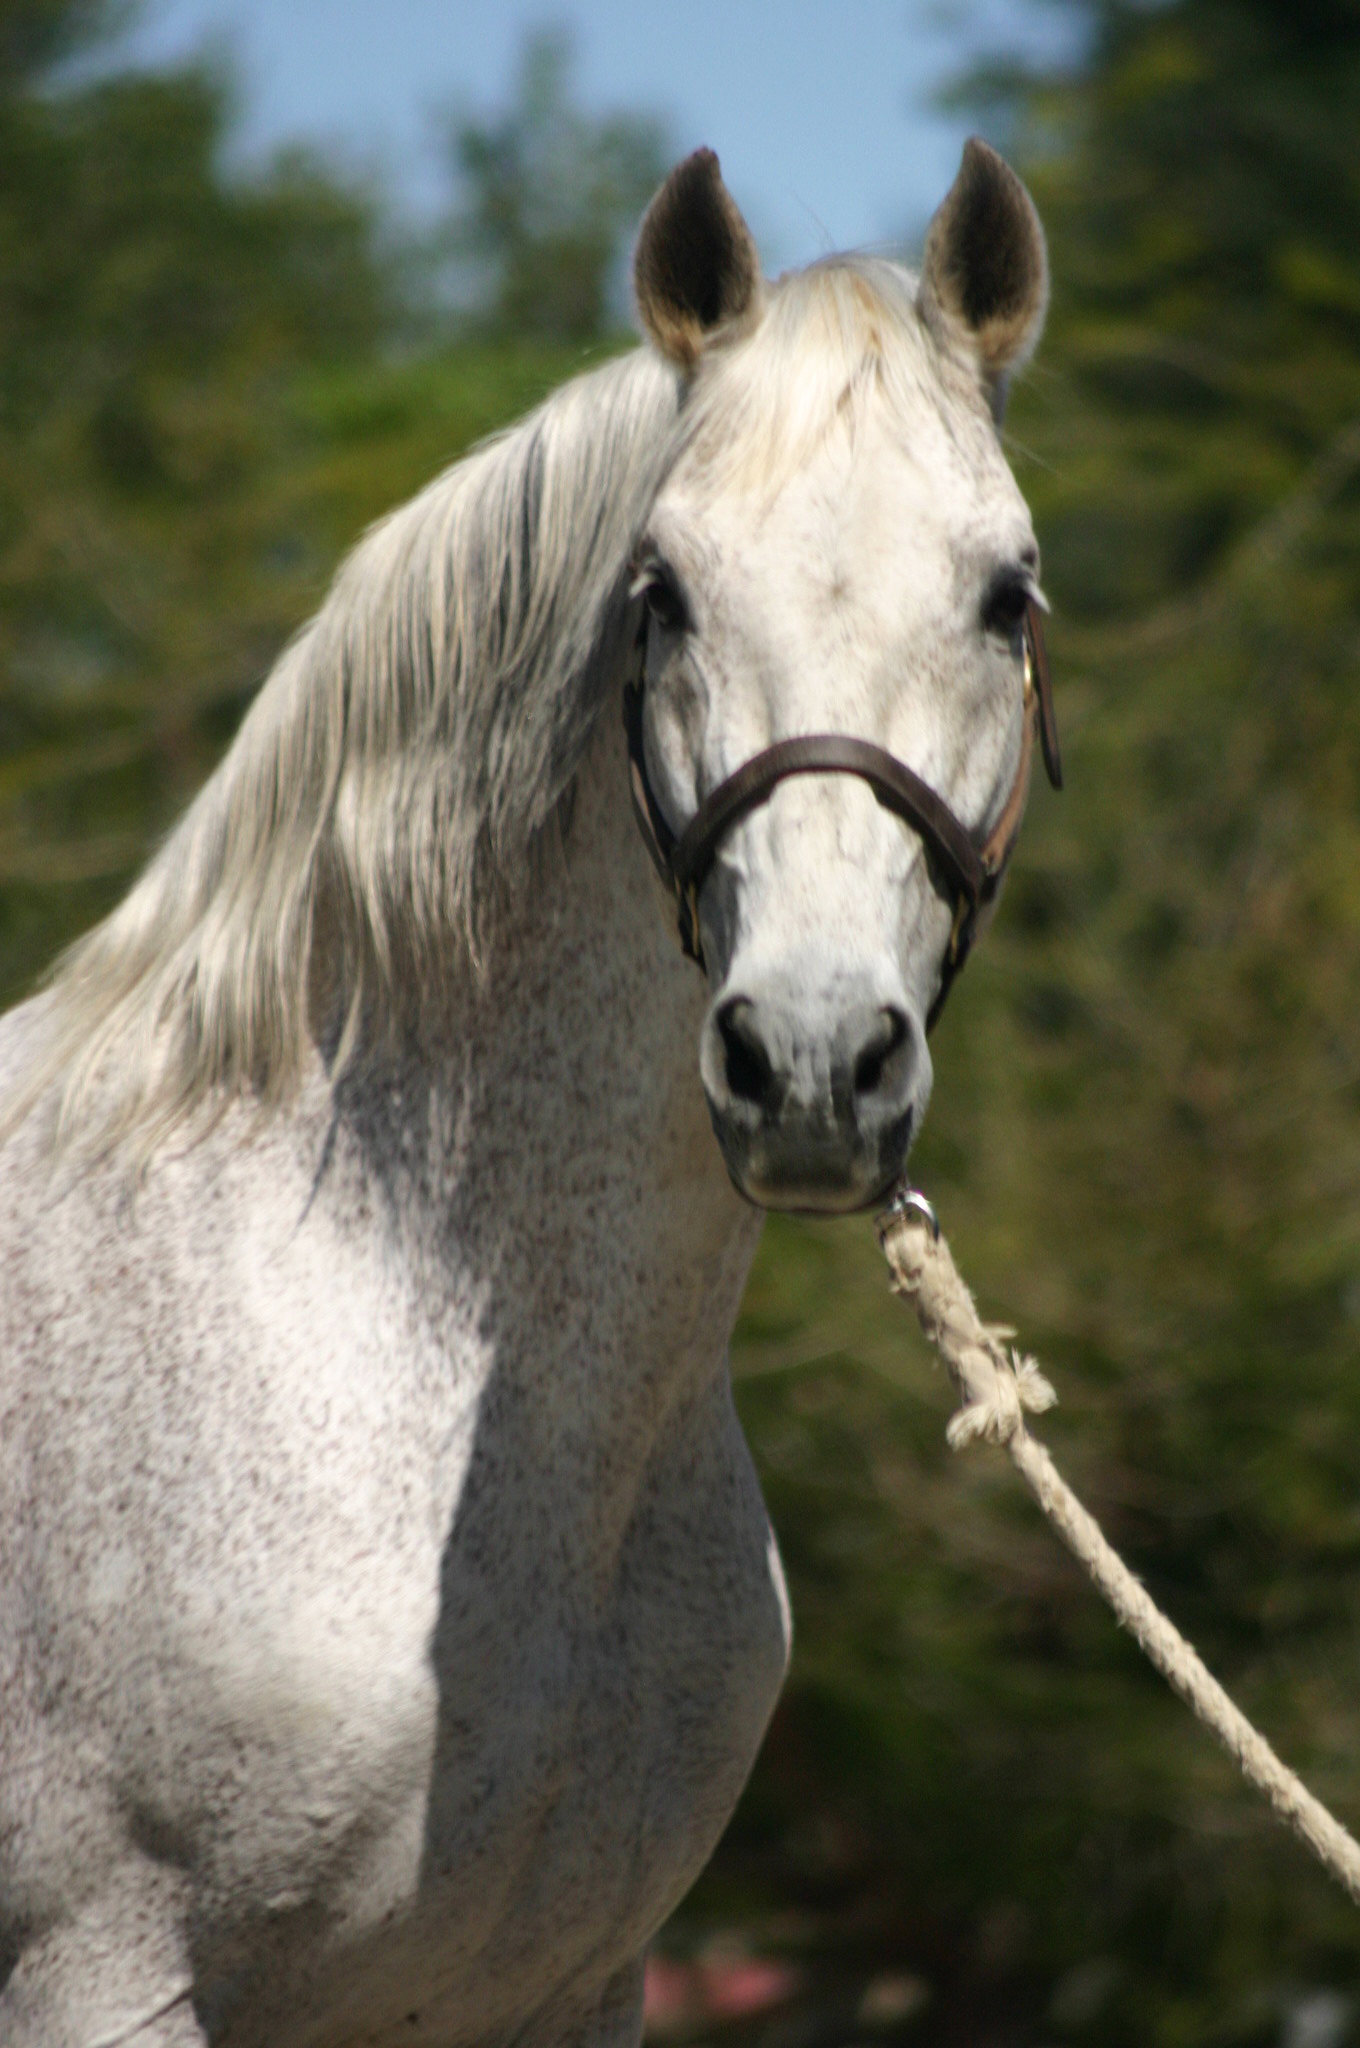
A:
(889, 1034)
(750, 1075)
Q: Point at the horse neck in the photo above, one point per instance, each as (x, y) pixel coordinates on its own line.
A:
(554, 1160)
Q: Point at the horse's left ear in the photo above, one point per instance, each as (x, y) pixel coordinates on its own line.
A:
(696, 266)
(986, 266)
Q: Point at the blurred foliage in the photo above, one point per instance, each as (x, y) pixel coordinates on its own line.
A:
(550, 194)
(206, 391)
(36, 34)
(1145, 1139)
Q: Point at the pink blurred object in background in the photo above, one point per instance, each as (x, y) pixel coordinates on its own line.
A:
(681, 1996)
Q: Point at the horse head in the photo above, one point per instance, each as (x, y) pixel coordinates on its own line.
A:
(838, 552)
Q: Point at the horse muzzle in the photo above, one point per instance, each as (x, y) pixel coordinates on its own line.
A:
(813, 1104)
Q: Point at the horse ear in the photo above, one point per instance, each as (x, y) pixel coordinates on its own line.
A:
(986, 267)
(696, 266)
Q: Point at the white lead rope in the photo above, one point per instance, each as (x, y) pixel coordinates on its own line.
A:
(996, 1386)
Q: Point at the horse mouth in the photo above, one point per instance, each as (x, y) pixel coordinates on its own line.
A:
(817, 1171)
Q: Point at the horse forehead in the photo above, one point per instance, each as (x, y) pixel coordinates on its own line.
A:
(884, 504)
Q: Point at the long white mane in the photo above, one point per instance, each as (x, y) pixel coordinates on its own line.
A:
(397, 765)
(414, 739)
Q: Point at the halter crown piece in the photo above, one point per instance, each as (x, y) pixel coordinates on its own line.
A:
(968, 873)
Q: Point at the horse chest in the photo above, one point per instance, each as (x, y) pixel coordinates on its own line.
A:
(543, 1713)
(575, 1802)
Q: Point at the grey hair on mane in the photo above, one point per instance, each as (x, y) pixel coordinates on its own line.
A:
(399, 761)
(413, 741)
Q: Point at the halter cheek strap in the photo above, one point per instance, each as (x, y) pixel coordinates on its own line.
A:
(968, 873)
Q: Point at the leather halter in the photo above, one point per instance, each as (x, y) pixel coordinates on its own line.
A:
(968, 873)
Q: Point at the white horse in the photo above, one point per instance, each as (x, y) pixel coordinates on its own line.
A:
(388, 1611)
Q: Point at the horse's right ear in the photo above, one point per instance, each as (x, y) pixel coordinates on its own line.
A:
(696, 266)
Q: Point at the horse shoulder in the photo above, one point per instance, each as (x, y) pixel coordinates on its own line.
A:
(228, 1459)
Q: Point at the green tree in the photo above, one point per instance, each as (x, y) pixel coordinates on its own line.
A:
(202, 403)
(551, 194)
(151, 318)
(36, 34)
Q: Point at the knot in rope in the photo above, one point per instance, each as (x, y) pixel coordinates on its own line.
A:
(995, 1383)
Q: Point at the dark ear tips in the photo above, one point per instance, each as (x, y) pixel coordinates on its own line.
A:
(696, 267)
(986, 265)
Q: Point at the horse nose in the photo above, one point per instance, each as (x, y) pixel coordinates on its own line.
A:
(876, 1072)
(748, 1064)
(864, 1066)
(811, 1100)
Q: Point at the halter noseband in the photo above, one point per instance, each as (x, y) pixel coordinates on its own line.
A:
(969, 874)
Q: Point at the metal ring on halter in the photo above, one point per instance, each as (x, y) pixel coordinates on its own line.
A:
(911, 1202)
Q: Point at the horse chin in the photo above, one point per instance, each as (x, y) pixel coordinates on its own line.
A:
(820, 1175)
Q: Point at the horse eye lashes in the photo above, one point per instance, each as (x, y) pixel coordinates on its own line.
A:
(663, 597)
(1003, 608)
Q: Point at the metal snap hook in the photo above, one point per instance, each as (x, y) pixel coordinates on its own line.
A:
(907, 1201)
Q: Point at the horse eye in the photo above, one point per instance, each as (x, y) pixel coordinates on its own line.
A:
(664, 600)
(1003, 610)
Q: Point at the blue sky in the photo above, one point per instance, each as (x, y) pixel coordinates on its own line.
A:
(819, 109)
